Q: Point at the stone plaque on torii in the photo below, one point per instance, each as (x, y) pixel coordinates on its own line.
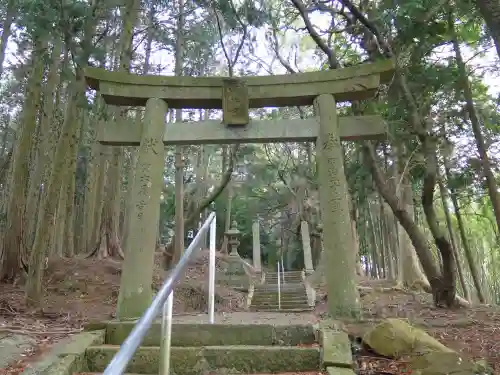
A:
(236, 96)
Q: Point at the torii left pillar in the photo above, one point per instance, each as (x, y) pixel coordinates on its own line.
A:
(135, 290)
(339, 257)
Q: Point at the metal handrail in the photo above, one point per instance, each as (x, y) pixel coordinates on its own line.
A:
(279, 287)
(283, 270)
(164, 298)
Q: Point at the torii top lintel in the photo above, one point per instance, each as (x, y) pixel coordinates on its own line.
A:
(352, 83)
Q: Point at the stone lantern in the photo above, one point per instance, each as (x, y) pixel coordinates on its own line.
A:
(234, 261)
(233, 238)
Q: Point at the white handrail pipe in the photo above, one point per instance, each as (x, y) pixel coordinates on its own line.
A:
(211, 273)
(279, 287)
(166, 334)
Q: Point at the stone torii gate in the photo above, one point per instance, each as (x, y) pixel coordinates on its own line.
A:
(235, 96)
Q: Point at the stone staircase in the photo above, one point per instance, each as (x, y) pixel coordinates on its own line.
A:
(214, 349)
(293, 294)
(273, 344)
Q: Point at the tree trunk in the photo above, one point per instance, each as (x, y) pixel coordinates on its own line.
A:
(490, 10)
(179, 200)
(66, 143)
(461, 228)
(355, 238)
(13, 245)
(391, 238)
(411, 271)
(10, 15)
(47, 140)
(444, 201)
(464, 86)
(110, 243)
(60, 223)
(444, 290)
(179, 161)
(415, 234)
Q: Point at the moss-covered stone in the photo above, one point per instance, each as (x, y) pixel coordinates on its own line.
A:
(339, 371)
(234, 102)
(395, 337)
(217, 334)
(94, 326)
(336, 349)
(351, 83)
(67, 356)
(197, 360)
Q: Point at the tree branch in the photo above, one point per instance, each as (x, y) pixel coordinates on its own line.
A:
(332, 59)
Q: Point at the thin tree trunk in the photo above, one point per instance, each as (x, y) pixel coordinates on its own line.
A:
(461, 277)
(464, 86)
(490, 10)
(179, 159)
(465, 243)
(412, 274)
(10, 15)
(48, 139)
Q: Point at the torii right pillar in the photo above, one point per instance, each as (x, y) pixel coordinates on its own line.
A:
(338, 251)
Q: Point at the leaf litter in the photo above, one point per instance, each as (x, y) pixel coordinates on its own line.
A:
(78, 291)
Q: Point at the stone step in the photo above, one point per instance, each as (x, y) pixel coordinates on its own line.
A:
(275, 309)
(284, 305)
(272, 290)
(282, 296)
(282, 292)
(217, 334)
(291, 308)
(287, 285)
(283, 300)
(275, 298)
(287, 275)
(196, 360)
(287, 278)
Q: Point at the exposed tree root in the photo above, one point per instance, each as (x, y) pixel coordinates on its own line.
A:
(107, 248)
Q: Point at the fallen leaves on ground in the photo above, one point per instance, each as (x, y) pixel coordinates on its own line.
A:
(82, 290)
(473, 332)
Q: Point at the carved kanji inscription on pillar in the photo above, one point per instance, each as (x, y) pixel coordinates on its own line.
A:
(235, 102)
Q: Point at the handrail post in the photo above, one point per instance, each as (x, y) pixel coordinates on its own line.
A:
(166, 335)
(211, 272)
(279, 287)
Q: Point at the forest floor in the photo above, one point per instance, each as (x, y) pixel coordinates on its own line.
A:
(81, 290)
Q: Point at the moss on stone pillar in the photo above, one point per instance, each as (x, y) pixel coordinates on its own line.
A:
(338, 249)
(137, 274)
